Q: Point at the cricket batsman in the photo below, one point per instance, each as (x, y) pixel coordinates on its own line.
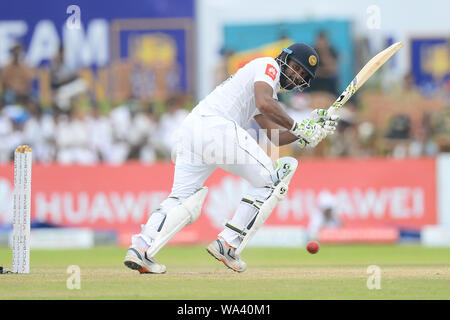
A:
(214, 136)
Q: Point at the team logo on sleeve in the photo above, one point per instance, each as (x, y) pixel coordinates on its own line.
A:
(271, 71)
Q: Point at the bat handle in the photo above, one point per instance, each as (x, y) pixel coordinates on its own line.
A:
(332, 110)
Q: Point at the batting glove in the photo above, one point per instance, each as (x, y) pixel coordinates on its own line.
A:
(309, 133)
(327, 121)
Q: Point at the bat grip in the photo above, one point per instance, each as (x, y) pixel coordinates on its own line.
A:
(332, 110)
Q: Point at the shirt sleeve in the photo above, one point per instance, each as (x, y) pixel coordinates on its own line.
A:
(268, 71)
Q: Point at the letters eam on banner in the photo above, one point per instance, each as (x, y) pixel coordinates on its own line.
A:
(370, 192)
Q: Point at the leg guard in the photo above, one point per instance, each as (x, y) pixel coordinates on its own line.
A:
(286, 167)
(177, 218)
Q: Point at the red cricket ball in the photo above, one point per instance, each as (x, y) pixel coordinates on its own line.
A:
(312, 247)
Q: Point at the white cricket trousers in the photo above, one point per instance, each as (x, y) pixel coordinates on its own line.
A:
(206, 143)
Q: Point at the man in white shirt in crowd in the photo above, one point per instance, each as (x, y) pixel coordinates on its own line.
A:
(168, 124)
(214, 136)
(325, 216)
(73, 142)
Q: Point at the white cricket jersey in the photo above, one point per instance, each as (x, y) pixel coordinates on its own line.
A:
(234, 99)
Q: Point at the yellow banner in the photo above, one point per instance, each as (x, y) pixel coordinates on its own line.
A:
(240, 59)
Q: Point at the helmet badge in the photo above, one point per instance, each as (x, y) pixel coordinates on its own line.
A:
(312, 60)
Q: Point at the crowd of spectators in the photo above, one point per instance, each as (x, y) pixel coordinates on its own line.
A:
(74, 129)
(397, 124)
(400, 123)
(131, 131)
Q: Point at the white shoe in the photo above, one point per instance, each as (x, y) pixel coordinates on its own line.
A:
(222, 251)
(137, 259)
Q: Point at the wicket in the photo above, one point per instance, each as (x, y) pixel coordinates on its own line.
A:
(22, 210)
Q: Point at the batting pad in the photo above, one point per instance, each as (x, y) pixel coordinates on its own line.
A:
(177, 218)
(286, 166)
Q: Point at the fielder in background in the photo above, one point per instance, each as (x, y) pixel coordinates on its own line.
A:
(325, 216)
(214, 136)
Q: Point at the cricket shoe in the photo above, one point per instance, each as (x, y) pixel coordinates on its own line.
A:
(222, 251)
(137, 259)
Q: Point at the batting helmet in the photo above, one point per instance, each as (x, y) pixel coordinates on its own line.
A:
(305, 56)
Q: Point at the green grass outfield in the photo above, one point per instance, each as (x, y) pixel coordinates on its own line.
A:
(336, 272)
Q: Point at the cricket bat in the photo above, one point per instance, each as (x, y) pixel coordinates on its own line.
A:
(366, 72)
